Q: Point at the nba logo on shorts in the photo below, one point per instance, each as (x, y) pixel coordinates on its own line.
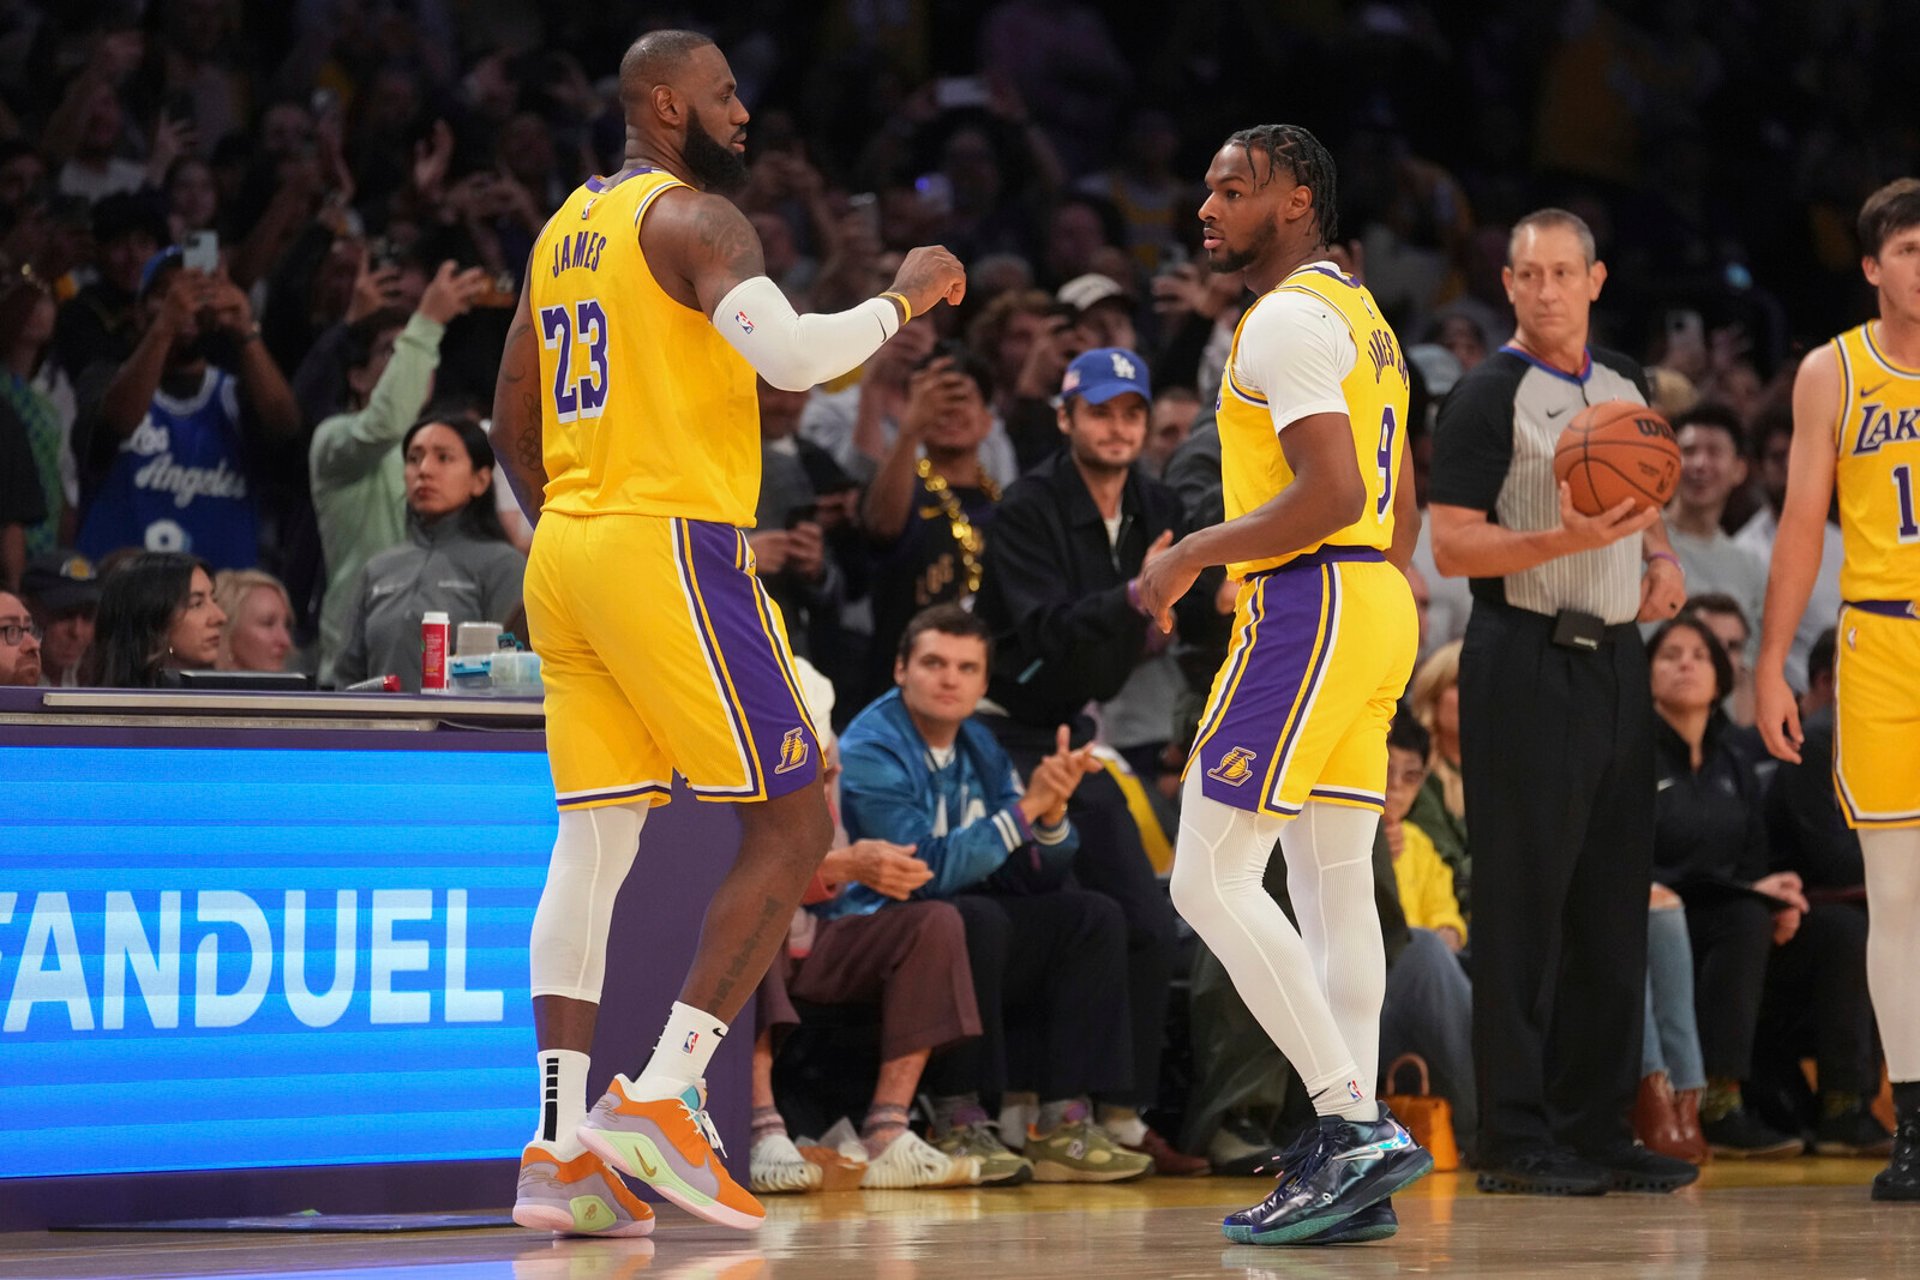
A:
(793, 751)
(1235, 767)
(693, 1038)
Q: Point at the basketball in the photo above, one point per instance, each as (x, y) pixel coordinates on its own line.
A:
(1614, 450)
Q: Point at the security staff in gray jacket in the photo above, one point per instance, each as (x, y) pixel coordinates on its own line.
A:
(456, 558)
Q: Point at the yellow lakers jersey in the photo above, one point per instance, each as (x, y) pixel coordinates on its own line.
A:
(1253, 469)
(1877, 432)
(646, 410)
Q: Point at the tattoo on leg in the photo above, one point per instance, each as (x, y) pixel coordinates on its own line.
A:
(755, 944)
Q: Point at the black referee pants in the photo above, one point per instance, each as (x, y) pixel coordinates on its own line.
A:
(1557, 757)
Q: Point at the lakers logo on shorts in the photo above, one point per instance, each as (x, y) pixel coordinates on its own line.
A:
(793, 751)
(1235, 767)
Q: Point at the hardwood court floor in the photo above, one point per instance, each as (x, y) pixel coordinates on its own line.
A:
(1804, 1218)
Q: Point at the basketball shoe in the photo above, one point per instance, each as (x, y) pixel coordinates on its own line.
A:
(1350, 1165)
(577, 1197)
(672, 1146)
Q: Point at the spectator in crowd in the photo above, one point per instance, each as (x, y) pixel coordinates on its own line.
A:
(1440, 808)
(1102, 310)
(1423, 879)
(100, 324)
(1174, 411)
(196, 397)
(1713, 463)
(910, 959)
(64, 594)
(1004, 334)
(920, 772)
(1816, 1003)
(1773, 436)
(801, 570)
(1154, 203)
(456, 558)
(928, 510)
(19, 643)
(1059, 593)
(358, 475)
(36, 393)
(1710, 848)
(259, 631)
(1673, 1074)
(1463, 335)
(157, 613)
(22, 504)
(1724, 616)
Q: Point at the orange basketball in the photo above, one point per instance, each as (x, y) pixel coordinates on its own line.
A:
(1614, 450)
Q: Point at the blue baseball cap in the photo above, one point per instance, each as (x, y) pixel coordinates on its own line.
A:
(155, 265)
(1099, 375)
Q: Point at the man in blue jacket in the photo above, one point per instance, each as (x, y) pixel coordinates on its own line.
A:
(919, 772)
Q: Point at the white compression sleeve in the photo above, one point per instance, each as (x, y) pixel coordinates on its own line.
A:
(796, 352)
(1892, 856)
(1329, 852)
(1217, 887)
(591, 857)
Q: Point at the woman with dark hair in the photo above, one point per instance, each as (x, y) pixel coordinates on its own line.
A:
(456, 558)
(157, 612)
(1710, 849)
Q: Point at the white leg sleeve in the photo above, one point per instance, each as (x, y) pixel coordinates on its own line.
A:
(1329, 850)
(591, 857)
(1217, 872)
(1893, 944)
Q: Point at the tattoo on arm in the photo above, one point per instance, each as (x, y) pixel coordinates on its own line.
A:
(728, 250)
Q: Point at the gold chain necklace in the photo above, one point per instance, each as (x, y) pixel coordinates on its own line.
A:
(965, 536)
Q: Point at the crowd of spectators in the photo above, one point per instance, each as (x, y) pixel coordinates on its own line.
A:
(255, 270)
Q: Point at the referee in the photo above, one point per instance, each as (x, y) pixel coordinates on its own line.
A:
(1556, 728)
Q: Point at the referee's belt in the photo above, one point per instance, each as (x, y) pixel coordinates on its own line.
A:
(1329, 554)
(1887, 608)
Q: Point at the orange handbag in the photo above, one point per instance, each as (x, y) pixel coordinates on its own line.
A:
(1427, 1117)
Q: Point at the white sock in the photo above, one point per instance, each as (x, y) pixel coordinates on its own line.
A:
(1018, 1112)
(1329, 852)
(563, 1100)
(681, 1055)
(1217, 872)
(1125, 1124)
(1892, 857)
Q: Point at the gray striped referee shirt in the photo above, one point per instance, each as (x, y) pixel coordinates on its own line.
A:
(1493, 451)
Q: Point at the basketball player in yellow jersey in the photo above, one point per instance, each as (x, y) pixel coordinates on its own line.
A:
(1856, 428)
(1293, 743)
(626, 417)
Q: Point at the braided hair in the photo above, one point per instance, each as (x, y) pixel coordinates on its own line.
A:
(1300, 153)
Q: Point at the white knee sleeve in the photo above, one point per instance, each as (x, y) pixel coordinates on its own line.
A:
(1217, 872)
(1893, 943)
(591, 857)
(1329, 850)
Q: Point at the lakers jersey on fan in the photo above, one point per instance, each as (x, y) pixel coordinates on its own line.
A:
(1253, 468)
(1878, 471)
(646, 410)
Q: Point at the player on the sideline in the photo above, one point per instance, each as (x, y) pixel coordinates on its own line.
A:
(1856, 426)
(626, 417)
(1293, 743)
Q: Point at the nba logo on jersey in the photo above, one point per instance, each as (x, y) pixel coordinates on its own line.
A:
(1235, 767)
(740, 318)
(793, 751)
(693, 1038)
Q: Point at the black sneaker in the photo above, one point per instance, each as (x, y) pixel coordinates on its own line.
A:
(1634, 1168)
(1543, 1171)
(1900, 1180)
(1741, 1135)
(1854, 1132)
(1375, 1222)
(1349, 1166)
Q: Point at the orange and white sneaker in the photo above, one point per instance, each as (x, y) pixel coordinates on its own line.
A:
(577, 1197)
(671, 1145)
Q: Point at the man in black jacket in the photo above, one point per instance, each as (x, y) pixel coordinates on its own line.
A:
(1059, 590)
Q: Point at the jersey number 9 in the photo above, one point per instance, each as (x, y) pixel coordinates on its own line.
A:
(562, 328)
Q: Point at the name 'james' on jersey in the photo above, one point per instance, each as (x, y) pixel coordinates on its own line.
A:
(1253, 468)
(645, 408)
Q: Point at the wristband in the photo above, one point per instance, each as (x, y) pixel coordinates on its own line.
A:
(906, 308)
(1133, 597)
(1668, 556)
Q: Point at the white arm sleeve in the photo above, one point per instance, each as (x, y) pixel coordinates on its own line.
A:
(1296, 351)
(796, 352)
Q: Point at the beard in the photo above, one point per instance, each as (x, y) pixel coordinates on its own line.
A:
(713, 164)
(1240, 259)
